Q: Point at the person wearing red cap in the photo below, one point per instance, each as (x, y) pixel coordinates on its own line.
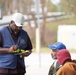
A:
(68, 66)
(54, 49)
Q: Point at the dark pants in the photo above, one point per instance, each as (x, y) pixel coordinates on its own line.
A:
(13, 74)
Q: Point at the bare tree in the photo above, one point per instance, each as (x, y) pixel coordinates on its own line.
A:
(68, 6)
(28, 11)
(44, 21)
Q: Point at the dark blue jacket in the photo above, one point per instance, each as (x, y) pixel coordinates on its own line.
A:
(10, 60)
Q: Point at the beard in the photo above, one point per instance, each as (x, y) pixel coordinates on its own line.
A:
(54, 56)
(16, 31)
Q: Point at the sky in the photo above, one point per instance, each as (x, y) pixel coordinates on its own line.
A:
(55, 1)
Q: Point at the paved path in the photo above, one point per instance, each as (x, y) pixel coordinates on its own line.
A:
(38, 64)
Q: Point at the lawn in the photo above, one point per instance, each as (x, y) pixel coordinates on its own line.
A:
(47, 50)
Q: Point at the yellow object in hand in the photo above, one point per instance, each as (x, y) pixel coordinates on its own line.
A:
(17, 51)
(22, 51)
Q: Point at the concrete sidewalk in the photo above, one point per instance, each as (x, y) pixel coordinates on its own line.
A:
(38, 64)
(37, 71)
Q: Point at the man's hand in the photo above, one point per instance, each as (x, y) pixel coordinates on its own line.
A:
(13, 48)
(26, 53)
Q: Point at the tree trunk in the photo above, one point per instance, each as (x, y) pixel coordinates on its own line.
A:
(44, 22)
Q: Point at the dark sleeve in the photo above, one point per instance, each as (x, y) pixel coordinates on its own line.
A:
(1, 42)
(29, 44)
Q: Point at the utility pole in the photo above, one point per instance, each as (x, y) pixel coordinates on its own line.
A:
(37, 4)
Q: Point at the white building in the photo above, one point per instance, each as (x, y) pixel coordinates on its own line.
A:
(67, 35)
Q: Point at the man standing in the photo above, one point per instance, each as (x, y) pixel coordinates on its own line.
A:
(13, 38)
(55, 48)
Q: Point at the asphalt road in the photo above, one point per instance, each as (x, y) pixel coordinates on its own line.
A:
(38, 64)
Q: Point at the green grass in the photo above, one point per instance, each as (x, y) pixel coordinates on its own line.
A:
(42, 50)
(47, 50)
(72, 51)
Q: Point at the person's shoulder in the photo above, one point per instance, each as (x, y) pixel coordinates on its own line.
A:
(2, 27)
(67, 65)
(61, 70)
(73, 63)
(23, 31)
